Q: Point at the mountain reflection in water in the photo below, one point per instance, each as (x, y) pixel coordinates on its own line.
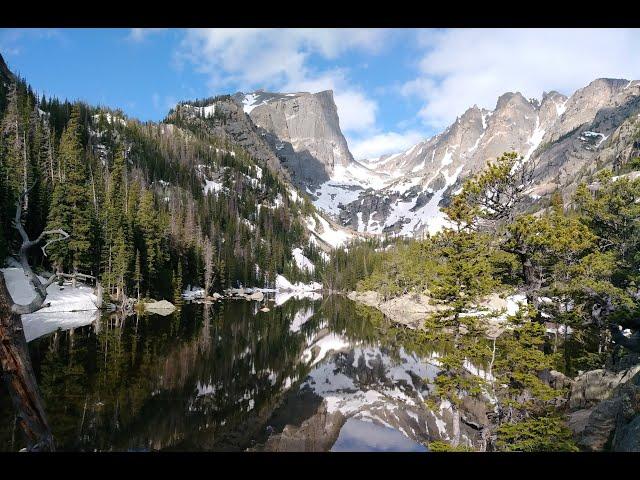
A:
(310, 374)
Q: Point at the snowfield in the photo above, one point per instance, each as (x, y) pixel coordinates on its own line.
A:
(69, 307)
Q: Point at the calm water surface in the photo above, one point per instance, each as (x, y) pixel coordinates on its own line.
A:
(322, 374)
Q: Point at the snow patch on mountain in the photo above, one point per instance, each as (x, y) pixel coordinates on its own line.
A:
(302, 262)
(250, 102)
(322, 229)
(535, 139)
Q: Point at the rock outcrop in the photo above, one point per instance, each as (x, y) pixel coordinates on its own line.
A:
(408, 310)
(224, 118)
(595, 386)
(606, 410)
(163, 307)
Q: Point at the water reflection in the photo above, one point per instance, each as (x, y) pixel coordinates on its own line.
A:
(359, 436)
(231, 377)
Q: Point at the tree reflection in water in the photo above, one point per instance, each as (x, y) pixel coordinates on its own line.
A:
(207, 377)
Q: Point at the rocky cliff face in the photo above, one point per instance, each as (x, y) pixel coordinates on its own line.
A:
(303, 130)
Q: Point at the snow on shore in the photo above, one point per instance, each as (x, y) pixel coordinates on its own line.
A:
(69, 307)
(283, 284)
(285, 290)
(193, 293)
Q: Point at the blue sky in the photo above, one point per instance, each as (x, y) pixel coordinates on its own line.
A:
(393, 88)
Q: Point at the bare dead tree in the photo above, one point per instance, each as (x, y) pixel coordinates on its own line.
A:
(17, 371)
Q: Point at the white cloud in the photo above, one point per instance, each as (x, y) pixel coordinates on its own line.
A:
(279, 59)
(383, 143)
(460, 68)
(13, 40)
(140, 34)
(357, 112)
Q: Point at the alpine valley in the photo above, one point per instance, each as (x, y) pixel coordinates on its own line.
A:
(232, 278)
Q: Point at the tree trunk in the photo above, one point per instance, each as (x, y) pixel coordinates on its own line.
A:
(19, 378)
(531, 280)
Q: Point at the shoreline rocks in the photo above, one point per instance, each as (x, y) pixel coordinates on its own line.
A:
(411, 309)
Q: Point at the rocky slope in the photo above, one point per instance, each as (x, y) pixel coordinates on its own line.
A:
(222, 117)
(605, 410)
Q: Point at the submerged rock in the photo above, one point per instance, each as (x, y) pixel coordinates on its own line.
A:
(409, 309)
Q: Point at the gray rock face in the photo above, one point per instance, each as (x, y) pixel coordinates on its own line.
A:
(608, 415)
(594, 427)
(594, 386)
(305, 132)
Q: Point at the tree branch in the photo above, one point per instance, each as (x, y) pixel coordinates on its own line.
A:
(41, 289)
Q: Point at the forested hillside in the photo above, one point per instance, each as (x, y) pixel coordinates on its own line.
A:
(151, 208)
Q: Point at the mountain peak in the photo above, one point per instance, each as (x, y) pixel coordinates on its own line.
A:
(509, 97)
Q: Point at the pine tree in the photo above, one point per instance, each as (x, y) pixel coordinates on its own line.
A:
(150, 232)
(117, 230)
(463, 277)
(71, 204)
